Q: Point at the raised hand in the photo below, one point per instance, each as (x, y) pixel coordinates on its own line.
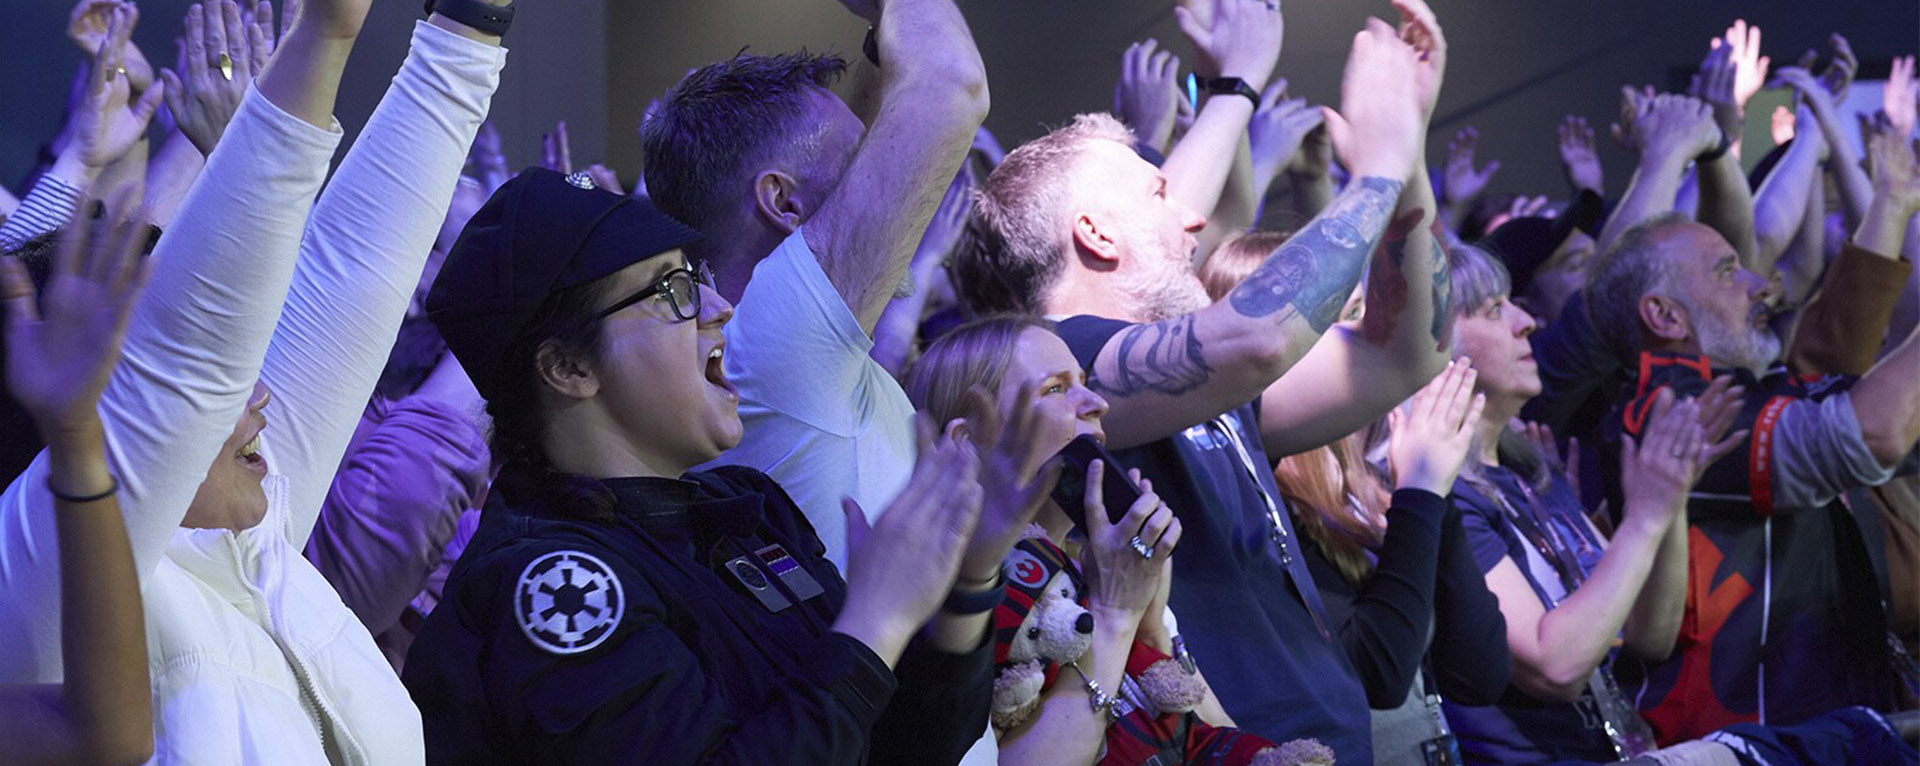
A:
(1420, 30)
(1781, 125)
(104, 126)
(1750, 67)
(1669, 123)
(900, 569)
(219, 58)
(1278, 129)
(1657, 470)
(1899, 96)
(1837, 77)
(1460, 183)
(62, 348)
(1378, 130)
(1541, 437)
(1233, 38)
(1121, 580)
(1714, 85)
(1890, 156)
(88, 26)
(1016, 477)
(1147, 97)
(1578, 157)
(556, 152)
(1431, 435)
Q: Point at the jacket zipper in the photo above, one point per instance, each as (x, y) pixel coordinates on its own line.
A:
(317, 710)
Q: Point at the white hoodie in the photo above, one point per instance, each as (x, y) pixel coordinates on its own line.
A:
(253, 657)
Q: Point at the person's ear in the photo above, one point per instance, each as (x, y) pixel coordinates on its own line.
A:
(565, 374)
(776, 200)
(1095, 241)
(1664, 318)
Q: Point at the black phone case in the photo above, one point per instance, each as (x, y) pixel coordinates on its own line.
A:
(1118, 492)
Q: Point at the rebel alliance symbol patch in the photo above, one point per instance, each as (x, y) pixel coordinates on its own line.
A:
(568, 602)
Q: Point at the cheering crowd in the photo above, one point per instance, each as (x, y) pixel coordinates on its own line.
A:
(1219, 429)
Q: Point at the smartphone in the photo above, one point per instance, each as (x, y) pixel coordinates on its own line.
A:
(1117, 491)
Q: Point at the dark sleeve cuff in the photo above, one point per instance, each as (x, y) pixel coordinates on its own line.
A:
(1429, 508)
(854, 675)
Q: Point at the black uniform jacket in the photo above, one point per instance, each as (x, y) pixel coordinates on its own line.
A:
(638, 637)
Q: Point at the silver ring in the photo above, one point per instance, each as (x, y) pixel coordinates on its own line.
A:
(1145, 551)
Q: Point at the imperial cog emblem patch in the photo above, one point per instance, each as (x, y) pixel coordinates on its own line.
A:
(568, 602)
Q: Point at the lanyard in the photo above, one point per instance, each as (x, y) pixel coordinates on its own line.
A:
(1276, 527)
(1626, 730)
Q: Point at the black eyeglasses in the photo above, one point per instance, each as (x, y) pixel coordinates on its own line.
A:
(681, 286)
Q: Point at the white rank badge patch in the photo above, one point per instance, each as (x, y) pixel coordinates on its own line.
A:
(568, 602)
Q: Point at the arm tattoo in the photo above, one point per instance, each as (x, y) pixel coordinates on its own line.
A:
(1163, 356)
(1315, 270)
(1387, 280)
(1442, 296)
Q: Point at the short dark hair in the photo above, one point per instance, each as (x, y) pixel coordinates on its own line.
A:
(722, 120)
(1631, 267)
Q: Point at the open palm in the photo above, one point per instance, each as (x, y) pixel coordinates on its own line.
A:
(62, 347)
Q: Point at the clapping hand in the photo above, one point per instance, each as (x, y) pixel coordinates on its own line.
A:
(1278, 130)
(1017, 474)
(1147, 97)
(1714, 85)
(1667, 123)
(1421, 31)
(1378, 130)
(1890, 156)
(1460, 183)
(62, 348)
(105, 125)
(1657, 470)
(1233, 38)
(88, 27)
(1578, 157)
(1431, 435)
(1541, 437)
(221, 54)
(556, 152)
(1837, 77)
(900, 568)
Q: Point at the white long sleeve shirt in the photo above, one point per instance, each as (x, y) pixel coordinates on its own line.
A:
(253, 657)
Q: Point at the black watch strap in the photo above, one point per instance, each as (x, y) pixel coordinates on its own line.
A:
(965, 602)
(489, 19)
(1233, 85)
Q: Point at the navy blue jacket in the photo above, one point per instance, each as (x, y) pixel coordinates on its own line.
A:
(537, 656)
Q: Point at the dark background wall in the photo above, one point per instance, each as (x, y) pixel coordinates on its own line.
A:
(1517, 65)
(556, 70)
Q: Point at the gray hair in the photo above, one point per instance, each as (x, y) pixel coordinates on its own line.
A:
(1627, 271)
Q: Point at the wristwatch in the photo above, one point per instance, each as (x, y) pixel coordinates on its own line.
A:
(1234, 85)
(488, 19)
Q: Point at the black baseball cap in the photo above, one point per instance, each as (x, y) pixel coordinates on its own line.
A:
(1526, 244)
(541, 232)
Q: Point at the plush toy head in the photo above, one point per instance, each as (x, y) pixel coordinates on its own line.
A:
(1040, 624)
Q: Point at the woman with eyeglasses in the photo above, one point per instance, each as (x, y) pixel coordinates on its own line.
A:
(616, 606)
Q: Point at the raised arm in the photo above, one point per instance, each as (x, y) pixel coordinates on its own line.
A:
(1885, 400)
(194, 348)
(1852, 184)
(1356, 373)
(1780, 205)
(1231, 38)
(1165, 376)
(1555, 651)
(59, 355)
(933, 96)
(363, 252)
(1725, 202)
(1667, 131)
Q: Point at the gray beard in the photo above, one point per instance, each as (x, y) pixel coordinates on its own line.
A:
(1747, 348)
(1162, 296)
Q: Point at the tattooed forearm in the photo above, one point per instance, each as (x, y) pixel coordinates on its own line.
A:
(1163, 356)
(1387, 287)
(1442, 297)
(1315, 270)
